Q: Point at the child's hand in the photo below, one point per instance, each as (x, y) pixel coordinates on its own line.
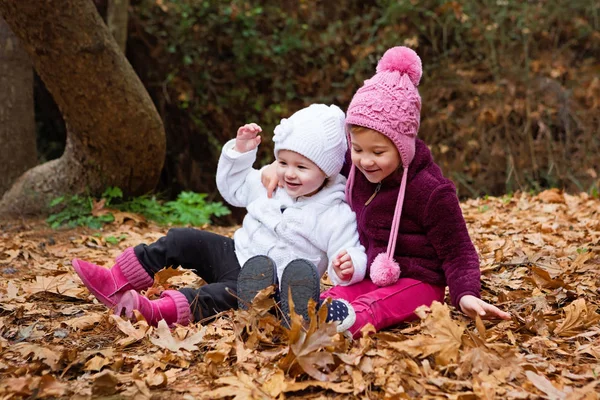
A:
(247, 138)
(269, 179)
(343, 266)
(472, 306)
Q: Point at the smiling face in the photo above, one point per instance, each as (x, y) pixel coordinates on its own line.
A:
(300, 176)
(373, 154)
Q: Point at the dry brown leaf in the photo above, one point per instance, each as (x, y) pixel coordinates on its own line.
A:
(156, 379)
(544, 385)
(62, 284)
(219, 354)
(49, 356)
(551, 196)
(310, 349)
(275, 384)
(104, 383)
(165, 274)
(442, 337)
(578, 316)
(85, 322)
(164, 339)
(134, 332)
(96, 363)
(240, 387)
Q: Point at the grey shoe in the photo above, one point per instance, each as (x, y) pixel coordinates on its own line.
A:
(302, 279)
(258, 273)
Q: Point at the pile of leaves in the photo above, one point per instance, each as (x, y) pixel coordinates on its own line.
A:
(538, 261)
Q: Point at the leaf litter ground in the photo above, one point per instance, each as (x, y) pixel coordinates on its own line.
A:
(539, 261)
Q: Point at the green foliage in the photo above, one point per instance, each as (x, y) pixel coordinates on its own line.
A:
(499, 86)
(115, 239)
(188, 209)
(76, 211)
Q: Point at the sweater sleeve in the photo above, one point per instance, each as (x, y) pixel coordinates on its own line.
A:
(447, 232)
(337, 231)
(237, 181)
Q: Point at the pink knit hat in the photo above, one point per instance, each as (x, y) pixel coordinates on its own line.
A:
(389, 103)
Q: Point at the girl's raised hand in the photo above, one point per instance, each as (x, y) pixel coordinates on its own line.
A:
(472, 306)
(247, 138)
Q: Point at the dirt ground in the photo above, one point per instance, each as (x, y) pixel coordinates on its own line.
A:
(539, 261)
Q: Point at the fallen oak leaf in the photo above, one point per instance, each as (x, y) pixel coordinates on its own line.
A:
(442, 336)
(544, 385)
(104, 384)
(156, 379)
(85, 322)
(134, 333)
(165, 274)
(275, 384)
(578, 316)
(312, 349)
(96, 363)
(342, 387)
(240, 387)
(49, 356)
(166, 340)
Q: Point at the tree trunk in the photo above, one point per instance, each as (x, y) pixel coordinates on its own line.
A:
(116, 19)
(17, 120)
(115, 135)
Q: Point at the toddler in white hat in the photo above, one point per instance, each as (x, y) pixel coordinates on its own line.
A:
(303, 229)
(289, 240)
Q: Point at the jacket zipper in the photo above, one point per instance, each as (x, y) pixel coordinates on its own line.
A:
(377, 189)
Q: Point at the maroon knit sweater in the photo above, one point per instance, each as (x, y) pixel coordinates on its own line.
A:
(433, 243)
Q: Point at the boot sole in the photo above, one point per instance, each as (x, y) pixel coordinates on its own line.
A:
(90, 285)
(258, 273)
(128, 303)
(302, 278)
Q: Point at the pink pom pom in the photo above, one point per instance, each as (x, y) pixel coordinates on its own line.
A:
(385, 271)
(404, 60)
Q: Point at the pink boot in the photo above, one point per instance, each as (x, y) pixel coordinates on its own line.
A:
(172, 306)
(109, 284)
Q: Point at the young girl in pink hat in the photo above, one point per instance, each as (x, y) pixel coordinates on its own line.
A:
(408, 214)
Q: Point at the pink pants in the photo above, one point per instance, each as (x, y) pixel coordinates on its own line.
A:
(386, 306)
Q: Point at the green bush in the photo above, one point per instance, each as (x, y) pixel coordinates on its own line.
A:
(189, 209)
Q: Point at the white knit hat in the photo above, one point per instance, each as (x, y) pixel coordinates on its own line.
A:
(316, 132)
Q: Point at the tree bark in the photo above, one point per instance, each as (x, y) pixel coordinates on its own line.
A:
(115, 135)
(116, 19)
(17, 120)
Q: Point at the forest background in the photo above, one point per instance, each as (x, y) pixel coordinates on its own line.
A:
(511, 89)
(511, 98)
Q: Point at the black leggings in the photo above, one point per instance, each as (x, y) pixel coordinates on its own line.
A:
(211, 256)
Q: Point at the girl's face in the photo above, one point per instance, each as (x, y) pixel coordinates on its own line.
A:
(373, 154)
(300, 176)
